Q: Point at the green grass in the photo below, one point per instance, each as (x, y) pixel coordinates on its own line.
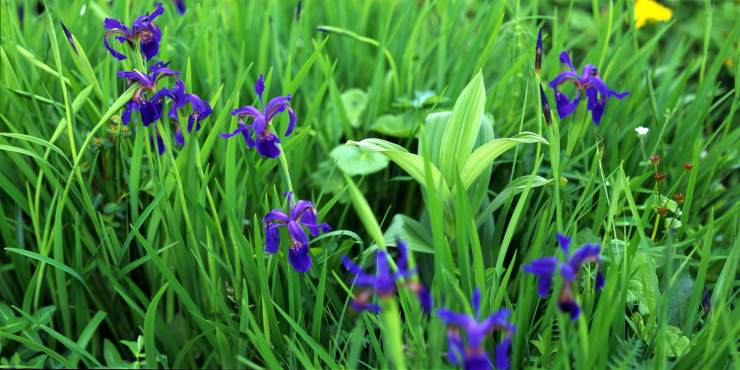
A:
(114, 256)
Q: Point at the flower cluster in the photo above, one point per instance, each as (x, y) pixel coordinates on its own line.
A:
(546, 267)
(666, 208)
(383, 282)
(149, 96)
(470, 354)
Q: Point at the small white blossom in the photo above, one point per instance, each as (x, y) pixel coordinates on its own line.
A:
(642, 131)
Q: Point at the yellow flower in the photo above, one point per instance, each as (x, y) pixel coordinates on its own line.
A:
(649, 10)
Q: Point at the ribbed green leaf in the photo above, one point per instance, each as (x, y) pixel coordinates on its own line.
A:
(484, 156)
(462, 128)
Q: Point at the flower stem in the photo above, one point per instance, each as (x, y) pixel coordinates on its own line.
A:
(286, 171)
(392, 333)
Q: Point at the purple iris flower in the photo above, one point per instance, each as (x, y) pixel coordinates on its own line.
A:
(302, 215)
(143, 30)
(201, 109)
(588, 83)
(180, 6)
(151, 107)
(544, 268)
(383, 282)
(265, 141)
(471, 355)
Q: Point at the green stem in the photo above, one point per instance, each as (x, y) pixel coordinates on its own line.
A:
(286, 171)
(554, 139)
(392, 333)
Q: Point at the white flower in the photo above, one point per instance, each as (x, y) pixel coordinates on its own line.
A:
(642, 131)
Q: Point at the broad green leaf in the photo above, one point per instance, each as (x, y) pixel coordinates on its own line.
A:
(149, 329)
(355, 102)
(643, 288)
(410, 231)
(678, 344)
(365, 213)
(513, 188)
(354, 160)
(395, 126)
(411, 163)
(484, 156)
(462, 128)
(48, 260)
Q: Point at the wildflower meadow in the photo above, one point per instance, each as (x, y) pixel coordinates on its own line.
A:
(377, 184)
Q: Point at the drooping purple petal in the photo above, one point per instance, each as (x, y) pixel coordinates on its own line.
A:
(499, 320)
(151, 111)
(477, 360)
(179, 138)
(543, 268)
(299, 256)
(565, 105)
(502, 354)
(567, 272)
(267, 145)
(272, 238)
(291, 123)
(149, 42)
(159, 143)
(296, 233)
(115, 53)
(425, 297)
(364, 306)
(585, 254)
(240, 130)
(130, 107)
(567, 302)
(454, 347)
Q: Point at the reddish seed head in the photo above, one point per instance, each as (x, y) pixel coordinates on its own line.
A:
(688, 166)
(679, 198)
(655, 158)
(663, 211)
(659, 176)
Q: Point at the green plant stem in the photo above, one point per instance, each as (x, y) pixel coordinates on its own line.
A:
(286, 171)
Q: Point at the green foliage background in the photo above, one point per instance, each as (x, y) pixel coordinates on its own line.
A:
(114, 256)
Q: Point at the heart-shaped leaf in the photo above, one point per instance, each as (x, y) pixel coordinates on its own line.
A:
(354, 160)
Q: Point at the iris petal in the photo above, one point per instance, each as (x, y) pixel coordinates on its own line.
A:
(300, 257)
